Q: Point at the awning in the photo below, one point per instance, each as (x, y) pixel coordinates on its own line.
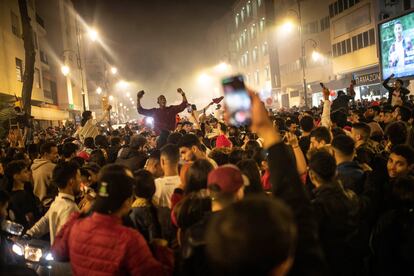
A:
(50, 114)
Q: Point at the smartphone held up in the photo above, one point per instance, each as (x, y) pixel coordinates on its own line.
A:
(237, 101)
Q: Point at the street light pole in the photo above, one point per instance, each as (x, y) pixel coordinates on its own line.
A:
(303, 54)
(78, 41)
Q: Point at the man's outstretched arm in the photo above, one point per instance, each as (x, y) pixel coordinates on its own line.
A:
(140, 109)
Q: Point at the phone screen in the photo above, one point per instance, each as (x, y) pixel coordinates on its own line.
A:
(237, 101)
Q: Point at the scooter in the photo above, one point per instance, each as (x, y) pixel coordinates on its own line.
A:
(30, 253)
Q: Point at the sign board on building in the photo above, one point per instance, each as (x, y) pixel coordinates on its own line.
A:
(366, 79)
(71, 106)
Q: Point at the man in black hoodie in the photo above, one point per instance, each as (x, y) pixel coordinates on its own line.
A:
(134, 156)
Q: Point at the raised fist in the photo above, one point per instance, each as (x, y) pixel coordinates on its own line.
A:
(140, 94)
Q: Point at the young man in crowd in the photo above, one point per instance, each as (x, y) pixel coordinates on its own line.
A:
(350, 174)
(42, 169)
(66, 176)
(190, 149)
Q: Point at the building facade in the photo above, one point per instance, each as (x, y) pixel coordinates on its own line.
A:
(54, 96)
(252, 49)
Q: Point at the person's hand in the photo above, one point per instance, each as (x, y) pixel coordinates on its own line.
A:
(109, 108)
(180, 91)
(140, 94)
(292, 140)
(261, 124)
(326, 93)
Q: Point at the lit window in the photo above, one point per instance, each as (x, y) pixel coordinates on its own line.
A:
(248, 9)
(253, 31)
(267, 73)
(265, 48)
(236, 19)
(242, 15)
(19, 69)
(37, 78)
(256, 77)
(259, 2)
(262, 24)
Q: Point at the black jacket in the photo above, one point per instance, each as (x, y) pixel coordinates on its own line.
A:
(343, 239)
(132, 158)
(286, 185)
(145, 220)
(351, 176)
(392, 243)
(404, 91)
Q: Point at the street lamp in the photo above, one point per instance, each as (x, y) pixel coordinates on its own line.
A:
(99, 90)
(288, 26)
(111, 98)
(65, 70)
(93, 35)
(114, 70)
(122, 84)
(316, 55)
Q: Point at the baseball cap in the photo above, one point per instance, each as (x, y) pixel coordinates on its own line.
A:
(228, 177)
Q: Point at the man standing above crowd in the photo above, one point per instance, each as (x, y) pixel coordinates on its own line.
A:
(397, 94)
(164, 116)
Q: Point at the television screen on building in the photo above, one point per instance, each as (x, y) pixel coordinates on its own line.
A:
(396, 38)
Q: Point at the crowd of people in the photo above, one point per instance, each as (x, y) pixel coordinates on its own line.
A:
(321, 191)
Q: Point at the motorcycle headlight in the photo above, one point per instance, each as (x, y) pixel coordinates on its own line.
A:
(32, 254)
(49, 257)
(18, 249)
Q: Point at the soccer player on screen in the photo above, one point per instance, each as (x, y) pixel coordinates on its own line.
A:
(400, 48)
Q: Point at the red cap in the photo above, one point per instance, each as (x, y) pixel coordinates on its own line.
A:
(228, 177)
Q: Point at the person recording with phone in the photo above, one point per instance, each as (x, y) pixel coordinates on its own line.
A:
(164, 116)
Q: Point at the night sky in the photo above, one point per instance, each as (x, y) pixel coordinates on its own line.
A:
(156, 43)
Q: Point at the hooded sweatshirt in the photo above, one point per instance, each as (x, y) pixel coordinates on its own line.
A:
(42, 177)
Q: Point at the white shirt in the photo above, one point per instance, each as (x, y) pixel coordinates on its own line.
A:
(400, 53)
(164, 188)
(57, 215)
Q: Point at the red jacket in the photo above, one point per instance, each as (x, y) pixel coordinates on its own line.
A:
(101, 245)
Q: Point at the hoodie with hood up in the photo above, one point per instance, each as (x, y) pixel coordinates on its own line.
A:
(42, 178)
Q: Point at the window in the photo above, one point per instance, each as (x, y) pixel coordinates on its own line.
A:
(259, 3)
(253, 31)
(334, 53)
(360, 42)
(256, 77)
(262, 24)
(365, 37)
(331, 11)
(265, 48)
(348, 46)
(346, 4)
(15, 24)
(237, 45)
(351, 3)
(371, 37)
(340, 6)
(19, 69)
(248, 9)
(236, 20)
(354, 43)
(254, 54)
(336, 8)
(325, 23)
(242, 14)
(37, 78)
(246, 58)
(267, 73)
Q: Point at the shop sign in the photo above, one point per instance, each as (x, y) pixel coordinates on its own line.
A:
(367, 78)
